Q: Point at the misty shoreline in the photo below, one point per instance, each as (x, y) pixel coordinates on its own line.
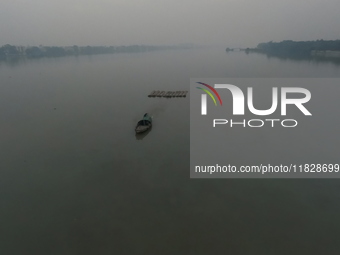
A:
(317, 51)
(8, 51)
(326, 48)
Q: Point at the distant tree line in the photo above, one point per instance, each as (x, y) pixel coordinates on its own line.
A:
(55, 51)
(298, 47)
(319, 50)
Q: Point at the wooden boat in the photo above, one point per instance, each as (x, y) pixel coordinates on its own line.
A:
(144, 124)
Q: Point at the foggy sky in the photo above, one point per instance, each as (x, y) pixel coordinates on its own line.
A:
(124, 22)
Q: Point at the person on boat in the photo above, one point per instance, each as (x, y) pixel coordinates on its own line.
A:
(146, 119)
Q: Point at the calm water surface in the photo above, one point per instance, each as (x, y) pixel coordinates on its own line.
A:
(74, 178)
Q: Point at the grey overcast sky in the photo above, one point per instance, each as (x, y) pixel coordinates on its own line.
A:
(243, 23)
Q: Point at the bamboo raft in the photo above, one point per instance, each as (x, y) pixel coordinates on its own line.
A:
(168, 94)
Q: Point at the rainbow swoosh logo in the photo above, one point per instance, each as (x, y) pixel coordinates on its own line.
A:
(209, 93)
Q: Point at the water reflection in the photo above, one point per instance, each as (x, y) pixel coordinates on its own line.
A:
(300, 57)
(12, 61)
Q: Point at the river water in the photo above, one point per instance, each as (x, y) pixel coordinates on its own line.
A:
(75, 179)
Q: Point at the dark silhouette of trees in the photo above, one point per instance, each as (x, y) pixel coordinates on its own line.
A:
(54, 51)
(319, 50)
(299, 48)
(34, 52)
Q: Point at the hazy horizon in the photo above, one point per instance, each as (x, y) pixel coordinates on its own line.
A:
(231, 23)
